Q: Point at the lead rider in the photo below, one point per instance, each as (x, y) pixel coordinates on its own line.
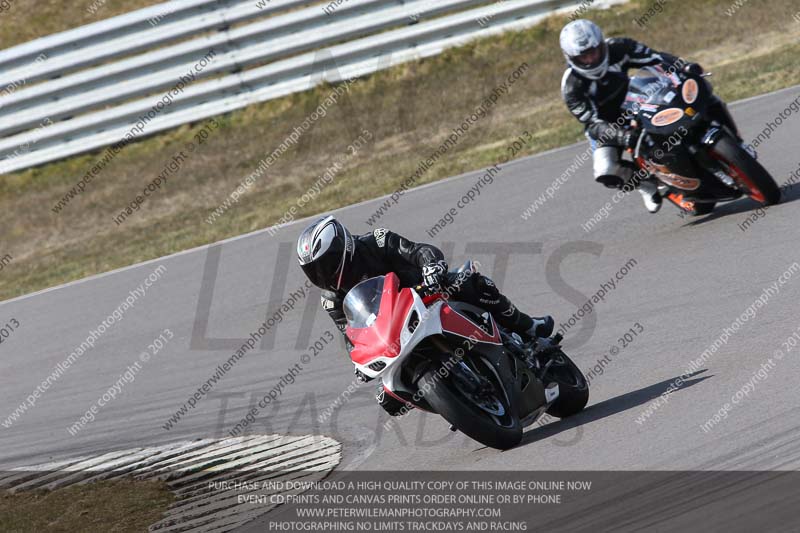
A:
(336, 261)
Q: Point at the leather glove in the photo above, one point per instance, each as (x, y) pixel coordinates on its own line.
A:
(627, 138)
(693, 69)
(433, 275)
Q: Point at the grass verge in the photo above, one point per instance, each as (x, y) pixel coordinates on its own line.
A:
(24, 20)
(409, 110)
(118, 507)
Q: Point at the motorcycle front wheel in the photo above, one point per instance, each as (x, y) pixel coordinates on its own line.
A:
(500, 432)
(751, 176)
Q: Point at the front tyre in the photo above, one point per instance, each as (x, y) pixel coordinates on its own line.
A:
(573, 389)
(462, 413)
(751, 176)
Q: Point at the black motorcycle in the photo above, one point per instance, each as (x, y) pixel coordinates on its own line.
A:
(697, 160)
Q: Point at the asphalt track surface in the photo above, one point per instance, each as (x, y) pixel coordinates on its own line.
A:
(692, 278)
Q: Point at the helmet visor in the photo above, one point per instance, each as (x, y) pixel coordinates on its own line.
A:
(326, 271)
(590, 58)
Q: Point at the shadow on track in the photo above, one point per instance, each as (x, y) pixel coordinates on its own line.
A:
(743, 205)
(610, 407)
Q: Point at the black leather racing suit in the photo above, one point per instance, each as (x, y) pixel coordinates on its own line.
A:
(598, 103)
(383, 251)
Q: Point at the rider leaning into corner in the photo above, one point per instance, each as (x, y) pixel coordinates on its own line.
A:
(336, 261)
(594, 88)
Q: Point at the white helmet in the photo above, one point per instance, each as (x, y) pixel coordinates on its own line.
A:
(585, 48)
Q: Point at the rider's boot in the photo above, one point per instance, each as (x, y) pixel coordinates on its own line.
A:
(632, 177)
(652, 198)
(542, 327)
(539, 328)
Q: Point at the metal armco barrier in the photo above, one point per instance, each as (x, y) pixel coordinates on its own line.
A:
(86, 88)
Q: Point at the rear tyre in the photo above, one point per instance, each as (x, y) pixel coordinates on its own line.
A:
(573, 389)
(754, 178)
(477, 424)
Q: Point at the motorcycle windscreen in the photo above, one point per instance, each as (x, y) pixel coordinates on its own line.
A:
(375, 310)
(363, 302)
(648, 87)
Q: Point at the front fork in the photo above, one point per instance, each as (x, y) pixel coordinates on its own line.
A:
(708, 163)
(724, 118)
(463, 373)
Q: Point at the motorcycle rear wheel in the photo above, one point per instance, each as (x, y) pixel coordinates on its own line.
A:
(573, 389)
(475, 423)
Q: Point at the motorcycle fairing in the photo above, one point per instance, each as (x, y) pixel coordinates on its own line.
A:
(526, 397)
(655, 93)
(402, 322)
(461, 325)
(665, 174)
(452, 320)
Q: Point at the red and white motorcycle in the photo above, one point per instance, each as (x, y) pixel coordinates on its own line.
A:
(451, 358)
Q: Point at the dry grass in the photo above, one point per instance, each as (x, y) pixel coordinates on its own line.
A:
(409, 110)
(25, 20)
(118, 507)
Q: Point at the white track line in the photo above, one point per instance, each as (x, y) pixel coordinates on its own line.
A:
(192, 465)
